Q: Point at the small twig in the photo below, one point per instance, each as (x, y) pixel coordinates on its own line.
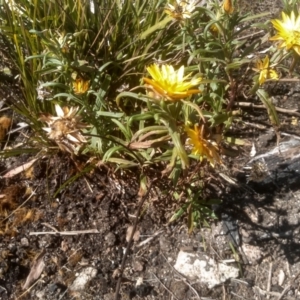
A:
(88, 185)
(256, 272)
(289, 286)
(286, 289)
(139, 209)
(293, 112)
(258, 126)
(49, 226)
(264, 293)
(150, 238)
(4, 109)
(64, 293)
(30, 288)
(224, 292)
(3, 288)
(245, 37)
(240, 281)
(269, 279)
(164, 286)
(61, 233)
(290, 135)
(289, 80)
(288, 268)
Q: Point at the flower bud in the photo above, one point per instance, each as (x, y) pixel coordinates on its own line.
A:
(228, 7)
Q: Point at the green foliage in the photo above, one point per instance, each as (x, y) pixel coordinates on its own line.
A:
(94, 54)
(290, 5)
(197, 209)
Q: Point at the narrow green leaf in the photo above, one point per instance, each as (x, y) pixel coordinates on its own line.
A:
(109, 114)
(124, 130)
(160, 25)
(123, 162)
(69, 97)
(265, 99)
(177, 214)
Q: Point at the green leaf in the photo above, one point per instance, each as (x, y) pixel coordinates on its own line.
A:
(124, 130)
(109, 114)
(237, 63)
(160, 25)
(234, 140)
(124, 163)
(178, 214)
(258, 16)
(265, 99)
(69, 97)
(153, 129)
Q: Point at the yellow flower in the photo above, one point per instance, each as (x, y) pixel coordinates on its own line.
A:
(288, 32)
(228, 7)
(265, 72)
(203, 147)
(65, 128)
(181, 9)
(80, 86)
(170, 84)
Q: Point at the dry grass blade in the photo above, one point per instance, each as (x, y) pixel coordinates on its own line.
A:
(19, 169)
(35, 271)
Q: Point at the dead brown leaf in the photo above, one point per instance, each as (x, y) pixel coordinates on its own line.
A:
(20, 169)
(5, 124)
(35, 271)
(147, 144)
(136, 235)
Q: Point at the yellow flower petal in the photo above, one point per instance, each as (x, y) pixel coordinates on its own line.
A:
(202, 147)
(80, 86)
(170, 84)
(265, 72)
(288, 33)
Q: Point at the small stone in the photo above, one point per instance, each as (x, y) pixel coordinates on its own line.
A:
(253, 253)
(136, 235)
(139, 281)
(137, 266)
(281, 277)
(41, 294)
(110, 238)
(204, 269)
(25, 242)
(83, 278)
(64, 246)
